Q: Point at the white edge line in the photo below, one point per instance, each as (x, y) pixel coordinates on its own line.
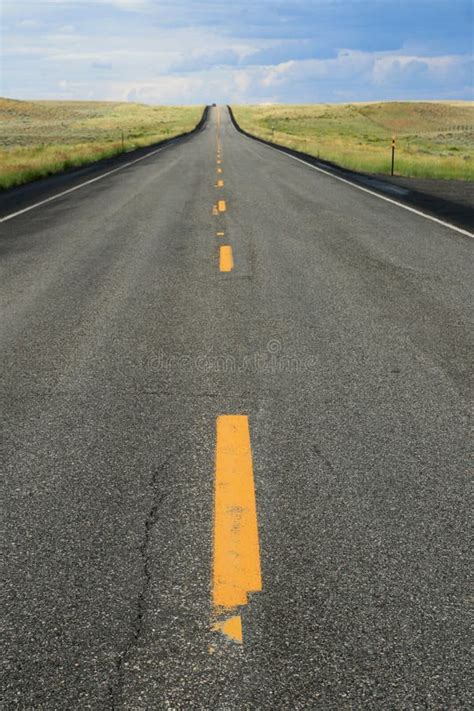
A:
(87, 182)
(365, 190)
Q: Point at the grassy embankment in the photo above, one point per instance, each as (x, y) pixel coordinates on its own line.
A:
(39, 138)
(434, 139)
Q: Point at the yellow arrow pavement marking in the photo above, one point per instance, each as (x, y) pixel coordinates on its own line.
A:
(236, 565)
(226, 259)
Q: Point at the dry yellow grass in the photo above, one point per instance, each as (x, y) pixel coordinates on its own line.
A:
(38, 138)
(433, 139)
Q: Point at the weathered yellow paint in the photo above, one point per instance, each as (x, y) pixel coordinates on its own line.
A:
(232, 628)
(236, 567)
(226, 259)
(220, 184)
(221, 206)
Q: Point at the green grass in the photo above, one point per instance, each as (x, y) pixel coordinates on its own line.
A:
(39, 138)
(433, 139)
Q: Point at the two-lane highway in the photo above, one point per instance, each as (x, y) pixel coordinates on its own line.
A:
(235, 422)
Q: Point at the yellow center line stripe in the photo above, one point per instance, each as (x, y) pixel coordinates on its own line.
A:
(221, 206)
(220, 183)
(226, 259)
(219, 170)
(220, 234)
(236, 564)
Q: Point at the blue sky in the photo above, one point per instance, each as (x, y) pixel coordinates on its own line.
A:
(197, 51)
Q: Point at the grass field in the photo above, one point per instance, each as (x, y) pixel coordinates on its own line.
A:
(39, 138)
(433, 139)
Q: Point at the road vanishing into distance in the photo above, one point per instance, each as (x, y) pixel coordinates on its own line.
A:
(234, 411)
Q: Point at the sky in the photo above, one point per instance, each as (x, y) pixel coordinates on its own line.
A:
(237, 51)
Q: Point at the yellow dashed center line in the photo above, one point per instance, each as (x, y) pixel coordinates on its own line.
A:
(236, 565)
(236, 557)
(226, 259)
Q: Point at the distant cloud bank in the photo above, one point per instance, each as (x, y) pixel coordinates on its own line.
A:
(158, 51)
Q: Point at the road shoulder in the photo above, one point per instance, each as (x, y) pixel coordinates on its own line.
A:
(22, 197)
(448, 200)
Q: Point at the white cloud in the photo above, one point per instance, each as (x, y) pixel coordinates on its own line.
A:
(127, 4)
(396, 68)
(278, 74)
(242, 81)
(28, 24)
(365, 72)
(165, 89)
(152, 61)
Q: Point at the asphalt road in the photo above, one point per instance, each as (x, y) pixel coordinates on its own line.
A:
(341, 331)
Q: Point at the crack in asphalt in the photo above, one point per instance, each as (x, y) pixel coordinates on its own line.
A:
(320, 454)
(115, 688)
